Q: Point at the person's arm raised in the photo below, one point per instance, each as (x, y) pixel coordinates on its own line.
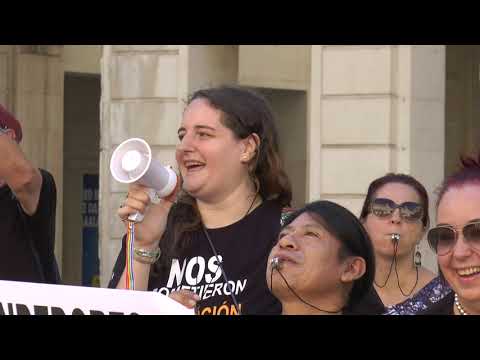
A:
(148, 232)
(20, 175)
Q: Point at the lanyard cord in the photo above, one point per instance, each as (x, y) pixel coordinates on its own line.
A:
(298, 296)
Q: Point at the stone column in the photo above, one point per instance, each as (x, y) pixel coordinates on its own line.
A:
(372, 110)
(6, 75)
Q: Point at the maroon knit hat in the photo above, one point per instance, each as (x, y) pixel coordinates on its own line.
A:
(8, 121)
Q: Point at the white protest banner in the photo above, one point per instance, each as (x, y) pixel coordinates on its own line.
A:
(21, 298)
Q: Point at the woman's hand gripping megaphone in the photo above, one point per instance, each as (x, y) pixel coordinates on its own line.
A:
(149, 231)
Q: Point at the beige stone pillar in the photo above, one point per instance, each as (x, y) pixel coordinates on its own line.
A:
(6, 75)
(372, 110)
(282, 74)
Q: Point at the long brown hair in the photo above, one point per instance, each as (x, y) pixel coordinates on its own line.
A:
(245, 112)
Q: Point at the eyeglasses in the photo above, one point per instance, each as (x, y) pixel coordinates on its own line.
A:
(442, 239)
(409, 211)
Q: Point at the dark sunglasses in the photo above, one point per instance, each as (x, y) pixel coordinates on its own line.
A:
(442, 239)
(409, 211)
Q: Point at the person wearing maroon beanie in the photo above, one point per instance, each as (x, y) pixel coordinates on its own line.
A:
(27, 211)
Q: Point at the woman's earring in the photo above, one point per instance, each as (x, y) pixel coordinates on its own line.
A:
(417, 258)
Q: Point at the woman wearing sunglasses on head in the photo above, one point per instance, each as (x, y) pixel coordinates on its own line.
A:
(456, 240)
(395, 215)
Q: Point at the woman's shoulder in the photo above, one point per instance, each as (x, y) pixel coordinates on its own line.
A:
(436, 289)
(268, 209)
(370, 304)
(441, 307)
(432, 293)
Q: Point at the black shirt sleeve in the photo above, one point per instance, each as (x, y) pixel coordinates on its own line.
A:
(42, 227)
(370, 304)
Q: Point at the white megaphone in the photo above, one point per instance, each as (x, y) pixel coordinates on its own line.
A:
(132, 162)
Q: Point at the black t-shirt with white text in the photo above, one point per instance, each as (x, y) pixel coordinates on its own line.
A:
(242, 249)
(27, 242)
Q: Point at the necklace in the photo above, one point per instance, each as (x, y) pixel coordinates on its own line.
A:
(394, 262)
(459, 306)
(251, 205)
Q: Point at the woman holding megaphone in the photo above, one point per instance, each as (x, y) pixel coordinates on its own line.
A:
(207, 244)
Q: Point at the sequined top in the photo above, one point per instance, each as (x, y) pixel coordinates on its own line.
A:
(429, 297)
(432, 293)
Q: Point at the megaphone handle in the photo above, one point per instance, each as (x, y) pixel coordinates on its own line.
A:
(137, 217)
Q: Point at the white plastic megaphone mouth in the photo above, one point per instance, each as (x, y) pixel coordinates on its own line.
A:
(130, 160)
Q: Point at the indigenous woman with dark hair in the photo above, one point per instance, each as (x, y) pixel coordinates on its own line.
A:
(323, 262)
(209, 248)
